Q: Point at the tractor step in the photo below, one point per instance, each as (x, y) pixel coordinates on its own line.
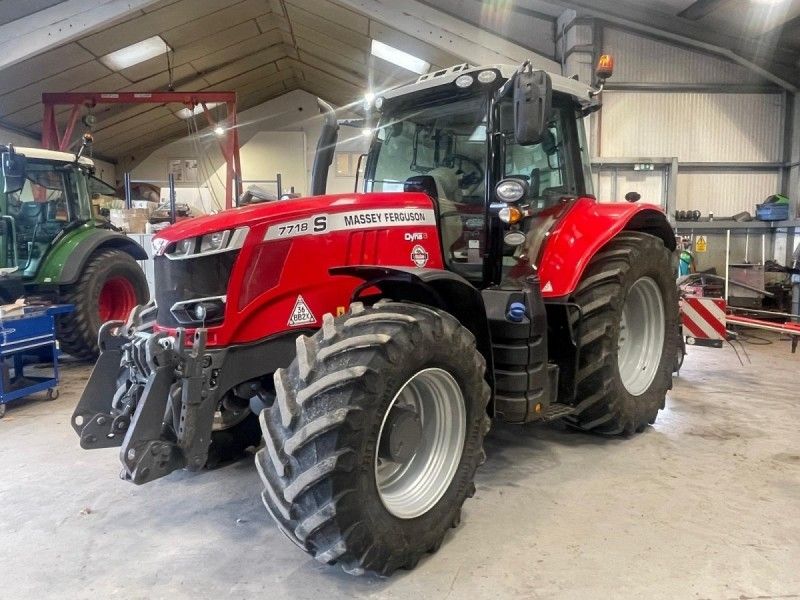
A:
(556, 411)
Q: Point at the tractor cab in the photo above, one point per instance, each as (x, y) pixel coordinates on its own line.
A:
(491, 145)
(44, 195)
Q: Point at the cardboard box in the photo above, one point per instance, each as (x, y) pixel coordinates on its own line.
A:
(132, 220)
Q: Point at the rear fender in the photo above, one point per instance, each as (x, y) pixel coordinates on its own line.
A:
(433, 287)
(584, 230)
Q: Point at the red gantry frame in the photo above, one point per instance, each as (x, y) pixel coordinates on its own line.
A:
(229, 141)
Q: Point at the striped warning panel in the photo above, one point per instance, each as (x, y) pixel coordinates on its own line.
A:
(704, 318)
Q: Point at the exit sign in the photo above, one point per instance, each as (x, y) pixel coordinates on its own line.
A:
(644, 167)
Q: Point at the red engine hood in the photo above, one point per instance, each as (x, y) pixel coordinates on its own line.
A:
(280, 210)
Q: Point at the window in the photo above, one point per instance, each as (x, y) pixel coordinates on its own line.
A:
(46, 203)
(544, 165)
(98, 187)
(347, 164)
(447, 143)
(43, 194)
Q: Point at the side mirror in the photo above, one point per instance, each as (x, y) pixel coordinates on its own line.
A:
(13, 171)
(533, 100)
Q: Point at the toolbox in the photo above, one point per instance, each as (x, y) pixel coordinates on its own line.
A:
(772, 212)
(28, 337)
(774, 208)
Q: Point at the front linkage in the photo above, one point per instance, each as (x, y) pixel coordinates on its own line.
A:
(164, 395)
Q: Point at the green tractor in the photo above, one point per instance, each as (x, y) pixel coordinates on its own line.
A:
(52, 247)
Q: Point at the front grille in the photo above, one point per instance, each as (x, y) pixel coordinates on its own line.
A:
(190, 278)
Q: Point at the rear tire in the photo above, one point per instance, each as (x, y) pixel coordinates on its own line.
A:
(320, 463)
(117, 276)
(611, 398)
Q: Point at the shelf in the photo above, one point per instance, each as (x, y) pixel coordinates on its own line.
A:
(720, 225)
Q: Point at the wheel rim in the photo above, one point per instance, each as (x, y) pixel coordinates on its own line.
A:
(641, 336)
(225, 418)
(117, 299)
(409, 486)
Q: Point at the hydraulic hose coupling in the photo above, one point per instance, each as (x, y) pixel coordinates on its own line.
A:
(516, 312)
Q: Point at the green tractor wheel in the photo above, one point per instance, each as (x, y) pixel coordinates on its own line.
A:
(110, 286)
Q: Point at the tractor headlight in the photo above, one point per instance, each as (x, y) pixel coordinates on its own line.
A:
(214, 241)
(185, 247)
(210, 243)
(511, 190)
(464, 81)
(487, 76)
(199, 311)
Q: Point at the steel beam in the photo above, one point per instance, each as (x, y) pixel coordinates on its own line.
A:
(94, 98)
(747, 167)
(710, 88)
(449, 34)
(58, 25)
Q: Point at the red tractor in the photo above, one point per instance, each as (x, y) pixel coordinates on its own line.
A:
(373, 336)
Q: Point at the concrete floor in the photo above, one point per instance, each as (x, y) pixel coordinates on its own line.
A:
(706, 504)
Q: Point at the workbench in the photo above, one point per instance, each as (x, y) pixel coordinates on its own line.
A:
(28, 337)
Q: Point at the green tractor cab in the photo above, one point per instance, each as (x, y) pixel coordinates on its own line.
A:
(52, 248)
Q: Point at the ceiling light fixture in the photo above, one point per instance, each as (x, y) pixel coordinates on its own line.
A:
(219, 130)
(188, 113)
(135, 53)
(399, 58)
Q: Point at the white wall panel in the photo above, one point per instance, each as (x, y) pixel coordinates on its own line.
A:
(650, 185)
(724, 194)
(695, 127)
(642, 60)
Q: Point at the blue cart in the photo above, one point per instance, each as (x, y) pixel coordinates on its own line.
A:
(26, 338)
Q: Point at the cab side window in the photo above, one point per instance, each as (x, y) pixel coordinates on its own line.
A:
(542, 165)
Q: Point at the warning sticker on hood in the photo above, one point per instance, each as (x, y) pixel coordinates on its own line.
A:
(358, 219)
(301, 314)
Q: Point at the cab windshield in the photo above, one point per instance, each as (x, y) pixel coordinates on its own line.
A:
(447, 142)
(35, 214)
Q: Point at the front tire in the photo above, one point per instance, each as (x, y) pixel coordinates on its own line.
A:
(629, 305)
(335, 485)
(110, 286)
